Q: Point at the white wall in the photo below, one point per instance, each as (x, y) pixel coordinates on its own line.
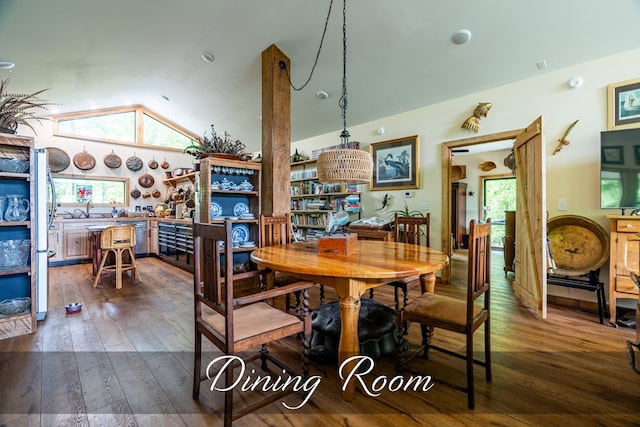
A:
(572, 174)
(99, 150)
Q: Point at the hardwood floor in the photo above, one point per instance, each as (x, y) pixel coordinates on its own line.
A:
(125, 360)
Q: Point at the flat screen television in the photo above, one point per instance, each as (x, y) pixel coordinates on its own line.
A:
(620, 169)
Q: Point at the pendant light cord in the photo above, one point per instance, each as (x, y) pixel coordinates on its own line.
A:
(283, 66)
(344, 136)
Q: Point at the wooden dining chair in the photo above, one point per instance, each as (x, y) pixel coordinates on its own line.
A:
(276, 230)
(237, 324)
(119, 242)
(461, 315)
(416, 231)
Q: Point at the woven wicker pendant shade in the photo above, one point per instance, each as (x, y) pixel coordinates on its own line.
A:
(346, 165)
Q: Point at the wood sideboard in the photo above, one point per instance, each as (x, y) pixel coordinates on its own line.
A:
(624, 258)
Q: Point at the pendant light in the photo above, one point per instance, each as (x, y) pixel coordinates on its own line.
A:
(345, 164)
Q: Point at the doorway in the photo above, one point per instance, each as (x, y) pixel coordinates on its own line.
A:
(486, 142)
(529, 285)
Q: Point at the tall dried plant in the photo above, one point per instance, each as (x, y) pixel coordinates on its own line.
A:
(17, 109)
(215, 144)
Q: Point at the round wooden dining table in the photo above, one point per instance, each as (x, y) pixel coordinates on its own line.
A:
(370, 264)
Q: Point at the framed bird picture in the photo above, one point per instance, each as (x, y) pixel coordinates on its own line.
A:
(623, 105)
(395, 163)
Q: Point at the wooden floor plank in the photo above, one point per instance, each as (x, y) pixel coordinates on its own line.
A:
(126, 359)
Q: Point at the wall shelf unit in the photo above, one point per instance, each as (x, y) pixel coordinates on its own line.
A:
(312, 201)
(18, 281)
(173, 182)
(230, 189)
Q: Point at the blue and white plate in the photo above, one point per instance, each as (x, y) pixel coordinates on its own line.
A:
(239, 233)
(240, 208)
(216, 210)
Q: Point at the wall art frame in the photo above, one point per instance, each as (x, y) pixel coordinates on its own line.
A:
(396, 163)
(623, 105)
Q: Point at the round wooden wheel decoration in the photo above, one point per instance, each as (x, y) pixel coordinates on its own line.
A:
(577, 244)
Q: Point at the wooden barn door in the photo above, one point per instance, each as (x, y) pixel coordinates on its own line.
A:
(530, 284)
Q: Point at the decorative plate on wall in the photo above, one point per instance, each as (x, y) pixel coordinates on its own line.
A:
(112, 160)
(58, 159)
(84, 161)
(134, 163)
(146, 180)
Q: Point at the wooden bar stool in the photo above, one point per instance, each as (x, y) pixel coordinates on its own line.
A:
(118, 240)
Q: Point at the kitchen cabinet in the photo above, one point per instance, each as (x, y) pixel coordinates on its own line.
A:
(55, 242)
(312, 202)
(624, 257)
(153, 237)
(175, 243)
(18, 242)
(75, 241)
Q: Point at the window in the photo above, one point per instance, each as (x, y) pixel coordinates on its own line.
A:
(499, 195)
(78, 190)
(130, 125)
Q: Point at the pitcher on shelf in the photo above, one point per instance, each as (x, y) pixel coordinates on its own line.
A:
(17, 208)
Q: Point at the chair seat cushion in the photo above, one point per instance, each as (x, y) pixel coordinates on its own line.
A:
(439, 308)
(252, 320)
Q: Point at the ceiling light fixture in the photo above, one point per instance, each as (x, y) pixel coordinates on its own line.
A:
(207, 57)
(6, 65)
(461, 36)
(347, 164)
(322, 94)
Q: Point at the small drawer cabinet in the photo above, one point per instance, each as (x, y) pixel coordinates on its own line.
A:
(625, 258)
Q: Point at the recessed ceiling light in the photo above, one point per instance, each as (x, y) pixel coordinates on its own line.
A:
(461, 36)
(322, 94)
(207, 57)
(6, 65)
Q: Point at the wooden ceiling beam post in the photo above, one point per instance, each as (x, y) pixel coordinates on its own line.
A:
(276, 132)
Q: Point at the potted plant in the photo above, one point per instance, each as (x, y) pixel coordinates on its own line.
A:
(406, 212)
(17, 109)
(223, 146)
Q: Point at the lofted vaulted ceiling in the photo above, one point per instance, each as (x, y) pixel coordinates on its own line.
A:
(400, 53)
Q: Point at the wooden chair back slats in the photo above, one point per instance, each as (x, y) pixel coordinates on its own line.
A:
(275, 230)
(415, 230)
(479, 264)
(480, 250)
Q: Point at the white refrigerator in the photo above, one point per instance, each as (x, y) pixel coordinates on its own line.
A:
(44, 212)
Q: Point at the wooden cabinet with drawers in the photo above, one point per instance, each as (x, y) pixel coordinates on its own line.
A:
(625, 258)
